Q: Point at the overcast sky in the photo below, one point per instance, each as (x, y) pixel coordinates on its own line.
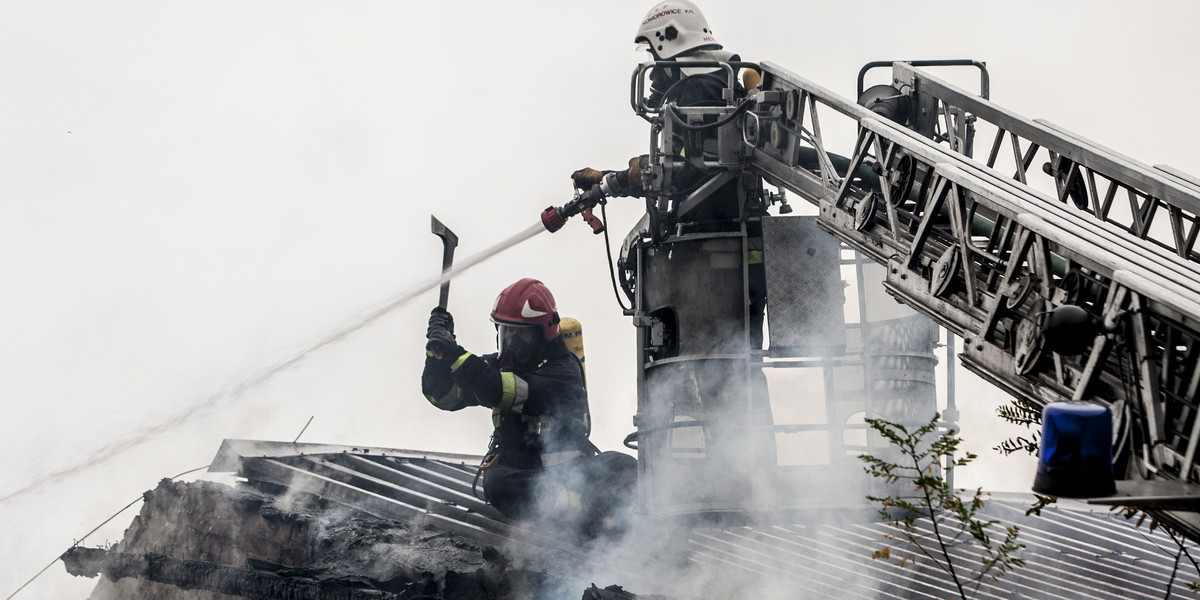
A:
(191, 192)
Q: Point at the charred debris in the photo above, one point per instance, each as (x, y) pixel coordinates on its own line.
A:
(287, 531)
(308, 521)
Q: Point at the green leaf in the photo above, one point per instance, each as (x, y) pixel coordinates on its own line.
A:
(916, 456)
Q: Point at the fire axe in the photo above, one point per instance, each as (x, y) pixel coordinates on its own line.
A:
(449, 242)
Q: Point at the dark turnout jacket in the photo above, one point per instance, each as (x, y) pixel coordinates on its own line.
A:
(540, 416)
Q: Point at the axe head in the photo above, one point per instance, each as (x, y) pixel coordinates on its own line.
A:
(449, 241)
(448, 238)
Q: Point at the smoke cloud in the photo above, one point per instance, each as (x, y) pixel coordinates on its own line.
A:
(752, 474)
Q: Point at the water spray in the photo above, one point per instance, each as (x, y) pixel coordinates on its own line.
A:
(240, 385)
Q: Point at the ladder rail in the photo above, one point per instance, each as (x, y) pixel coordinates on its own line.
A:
(987, 256)
(1078, 168)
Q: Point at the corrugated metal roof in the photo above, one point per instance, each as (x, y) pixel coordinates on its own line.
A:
(1070, 553)
(1072, 550)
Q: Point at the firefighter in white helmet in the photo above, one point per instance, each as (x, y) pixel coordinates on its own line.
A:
(677, 32)
(679, 38)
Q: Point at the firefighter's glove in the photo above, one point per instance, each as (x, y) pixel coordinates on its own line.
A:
(586, 178)
(441, 345)
(440, 335)
(635, 170)
(492, 361)
(750, 79)
(440, 317)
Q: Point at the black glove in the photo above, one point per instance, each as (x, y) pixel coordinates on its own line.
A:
(441, 343)
(440, 317)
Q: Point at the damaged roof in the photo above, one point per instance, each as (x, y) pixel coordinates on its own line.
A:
(1071, 550)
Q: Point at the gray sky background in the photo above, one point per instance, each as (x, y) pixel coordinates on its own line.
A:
(191, 192)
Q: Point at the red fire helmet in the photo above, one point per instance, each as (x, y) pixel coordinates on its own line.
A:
(527, 302)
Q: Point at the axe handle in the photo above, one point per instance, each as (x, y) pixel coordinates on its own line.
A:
(447, 261)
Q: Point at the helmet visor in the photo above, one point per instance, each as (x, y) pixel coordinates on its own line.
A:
(518, 343)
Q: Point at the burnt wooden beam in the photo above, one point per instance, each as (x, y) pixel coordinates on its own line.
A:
(244, 582)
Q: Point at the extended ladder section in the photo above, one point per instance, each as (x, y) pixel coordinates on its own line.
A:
(994, 249)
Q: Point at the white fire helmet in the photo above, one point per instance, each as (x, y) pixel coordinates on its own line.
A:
(672, 28)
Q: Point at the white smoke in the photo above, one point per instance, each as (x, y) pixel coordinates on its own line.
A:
(738, 510)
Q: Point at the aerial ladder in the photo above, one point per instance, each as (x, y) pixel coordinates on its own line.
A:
(995, 259)
(1069, 272)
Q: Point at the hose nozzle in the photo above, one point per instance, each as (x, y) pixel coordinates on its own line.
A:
(554, 218)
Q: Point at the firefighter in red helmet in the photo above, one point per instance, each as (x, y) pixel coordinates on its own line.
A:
(541, 464)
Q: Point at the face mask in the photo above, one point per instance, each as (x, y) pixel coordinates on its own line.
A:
(519, 345)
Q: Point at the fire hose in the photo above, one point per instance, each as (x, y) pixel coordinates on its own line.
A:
(553, 218)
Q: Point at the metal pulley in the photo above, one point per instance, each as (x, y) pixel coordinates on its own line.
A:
(1027, 347)
(943, 272)
(1017, 289)
(864, 212)
(900, 177)
(888, 102)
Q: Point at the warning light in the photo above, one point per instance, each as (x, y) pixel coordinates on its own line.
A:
(1075, 457)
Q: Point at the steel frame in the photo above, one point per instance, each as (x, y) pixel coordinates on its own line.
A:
(1086, 176)
(988, 255)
